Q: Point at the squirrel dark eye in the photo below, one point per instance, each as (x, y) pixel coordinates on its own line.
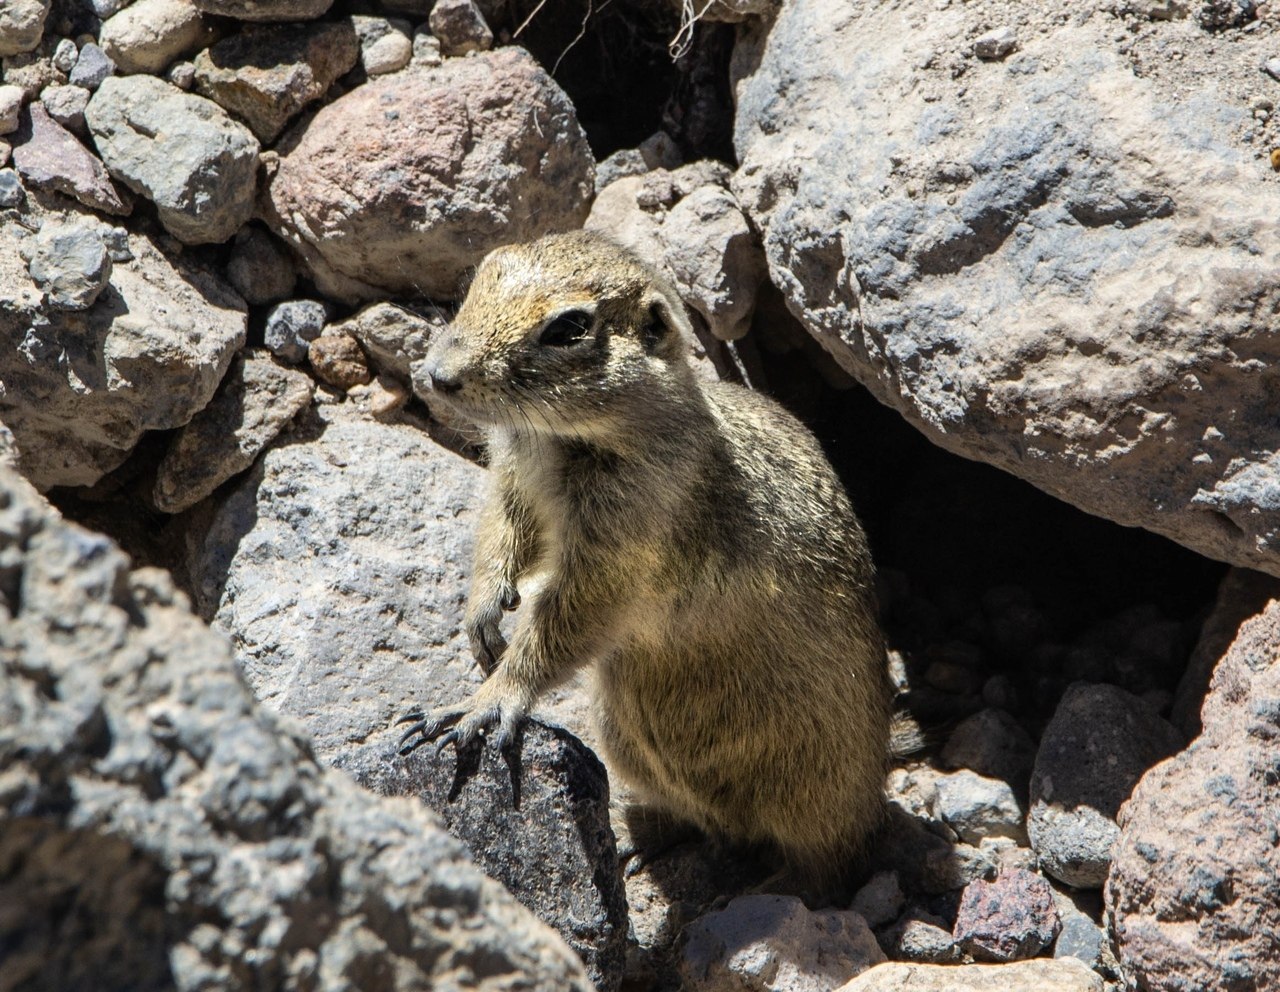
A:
(569, 328)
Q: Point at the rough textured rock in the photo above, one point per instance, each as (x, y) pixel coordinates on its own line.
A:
(12, 192)
(48, 156)
(1021, 976)
(66, 105)
(22, 25)
(180, 151)
(267, 74)
(1099, 743)
(70, 264)
(251, 407)
(93, 65)
(1193, 899)
(535, 819)
(1012, 918)
(920, 936)
(292, 326)
(1055, 263)
(689, 226)
(386, 45)
(149, 34)
(880, 900)
(338, 567)
(260, 268)
(266, 10)
(977, 807)
(32, 71)
(460, 26)
(11, 100)
(392, 336)
(992, 743)
(159, 830)
(763, 943)
(454, 161)
(80, 388)
(338, 360)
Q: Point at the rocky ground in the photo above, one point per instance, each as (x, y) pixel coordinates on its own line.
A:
(1016, 263)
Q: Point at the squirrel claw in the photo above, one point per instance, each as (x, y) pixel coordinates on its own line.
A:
(427, 729)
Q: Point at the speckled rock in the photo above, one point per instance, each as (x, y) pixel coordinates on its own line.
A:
(977, 807)
(292, 326)
(496, 155)
(1011, 918)
(147, 35)
(146, 794)
(1051, 263)
(82, 387)
(1098, 744)
(536, 819)
(764, 943)
(70, 264)
(22, 25)
(267, 74)
(1021, 976)
(1193, 899)
(254, 403)
(180, 151)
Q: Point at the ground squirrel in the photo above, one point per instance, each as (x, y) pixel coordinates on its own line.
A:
(689, 538)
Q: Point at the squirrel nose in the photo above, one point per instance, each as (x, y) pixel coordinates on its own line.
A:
(442, 382)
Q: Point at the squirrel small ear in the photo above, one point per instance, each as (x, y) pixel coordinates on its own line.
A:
(666, 327)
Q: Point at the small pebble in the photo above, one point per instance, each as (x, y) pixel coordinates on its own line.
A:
(1272, 68)
(66, 105)
(11, 98)
(339, 360)
(64, 56)
(386, 45)
(92, 67)
(182, 75)
(461, 27)
(11, 191)
(6, 150)
(995, 45)
(291, 325)
(880, 900)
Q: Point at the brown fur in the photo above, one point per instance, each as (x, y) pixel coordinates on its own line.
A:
(688, 538)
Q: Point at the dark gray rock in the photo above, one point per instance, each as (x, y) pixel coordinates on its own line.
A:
(536, 819)
(994, 744)
(260, 268)
(291, 326)
(977, 807)
(11, 191)
(1098, 744)
(926, 860)
(460, 26)
(160, 830)
(92, 67)
(921, 936)
(1009, 919)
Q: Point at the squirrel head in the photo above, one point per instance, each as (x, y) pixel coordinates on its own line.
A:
(570, 335)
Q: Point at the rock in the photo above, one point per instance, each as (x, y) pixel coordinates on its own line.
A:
(255, 402)
(976, 807)
(383, 397)
(1272, 68)
(385, 45)
(70, 264)
(975, 244)
(32, 72)
(1009, 919)
(147, 795)
(64, 55)
(149, 34)
(426, 48)
(1193, 898)
(81, 388)
(392, 336)
(66, 104)
(338, 360)
(92, 66)
(698, 237)
(1241, 595)
(1215, 15)
(261, 269)
(880, 900)
(267, 74)
(1098, 744)
(1021, 976)
(292, 326)
(921, 936)
(536, 820)
(6, 150)
(996, 44)
(48, 156)
(11, 192)
(266, 10)
(21, 25)
(182, 75)
(925, 861)
(460, 26)
(11, 100)
(338, 568)
(496, 153)
(1081, 938)
(773, 943)
(992, 743)
(180, 151)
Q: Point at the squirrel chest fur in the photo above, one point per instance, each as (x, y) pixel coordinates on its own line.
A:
(687, 538)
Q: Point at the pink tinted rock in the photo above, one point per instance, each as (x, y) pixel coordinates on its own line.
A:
(48, 156)
(1009, 919)
(407, 181)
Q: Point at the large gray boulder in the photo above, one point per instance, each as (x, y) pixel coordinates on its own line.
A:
(180, 151)
(161, 830)
(79, 388)
(453, 161)
(1048, 261)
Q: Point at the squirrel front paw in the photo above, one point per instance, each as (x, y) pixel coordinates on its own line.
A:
(487, 642)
